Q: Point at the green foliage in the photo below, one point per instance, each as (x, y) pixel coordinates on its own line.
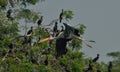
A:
(114, 54)
(77, 44)
(28, 15)
(68, 14)
(32, 1)
(24, 57)
(82, 29)
(3, 3)
(116, 60)
(63, 61)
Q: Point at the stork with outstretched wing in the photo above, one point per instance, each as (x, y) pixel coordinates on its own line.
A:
(63, 37)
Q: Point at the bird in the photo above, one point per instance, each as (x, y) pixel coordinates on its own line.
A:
(62, 28)
(34, 60)
(71, 32)
(96, 58)
(68, 33)
(110, 67)
(61, 16)
(63, 37)
(29, 33)
(55, 29)
(90, 68)
(46, 61)
(61, 47)
(39, 22)
(8, 15)
(11, 45)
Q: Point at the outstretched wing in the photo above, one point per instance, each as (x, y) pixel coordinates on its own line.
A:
(70, 30)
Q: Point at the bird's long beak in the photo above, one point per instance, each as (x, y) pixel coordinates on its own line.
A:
(46, 39)
(84, 40)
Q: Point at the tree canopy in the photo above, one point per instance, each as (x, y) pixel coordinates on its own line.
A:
(23, 53)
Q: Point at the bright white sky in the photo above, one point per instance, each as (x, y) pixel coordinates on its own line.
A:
(102, 18)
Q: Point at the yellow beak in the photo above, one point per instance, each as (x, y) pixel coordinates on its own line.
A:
(46, 39)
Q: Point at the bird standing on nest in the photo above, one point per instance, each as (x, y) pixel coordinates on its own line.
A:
(63, 37)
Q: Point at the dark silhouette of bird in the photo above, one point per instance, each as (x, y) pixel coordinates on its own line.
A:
(39, 22)
(29, 33)
(2, 6)
(11, 45)
(61, 16)
(8, 15)
(71, 32)
(110, 67)
(90, 68)
(25, 41)
(63, 37)
(55, 29)
(61, 46)
(33, 60)
(46, 61)
(66, 69)
(96, 58)
(62, 28)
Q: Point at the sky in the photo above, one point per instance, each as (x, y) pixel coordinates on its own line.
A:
(101, 17)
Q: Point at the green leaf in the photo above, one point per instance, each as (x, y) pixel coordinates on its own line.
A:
(3, 3)
(32, 1)
(82, 29)
(68, 14)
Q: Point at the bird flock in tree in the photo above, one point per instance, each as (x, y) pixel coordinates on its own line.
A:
(61, 37)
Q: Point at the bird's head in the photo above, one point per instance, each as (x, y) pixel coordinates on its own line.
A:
(56, 23)
(31, 27)
(62, 10)
(9, 11)
(98, 55)
(41, 17)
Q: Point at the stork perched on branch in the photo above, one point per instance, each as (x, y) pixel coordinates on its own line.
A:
(63, 37)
